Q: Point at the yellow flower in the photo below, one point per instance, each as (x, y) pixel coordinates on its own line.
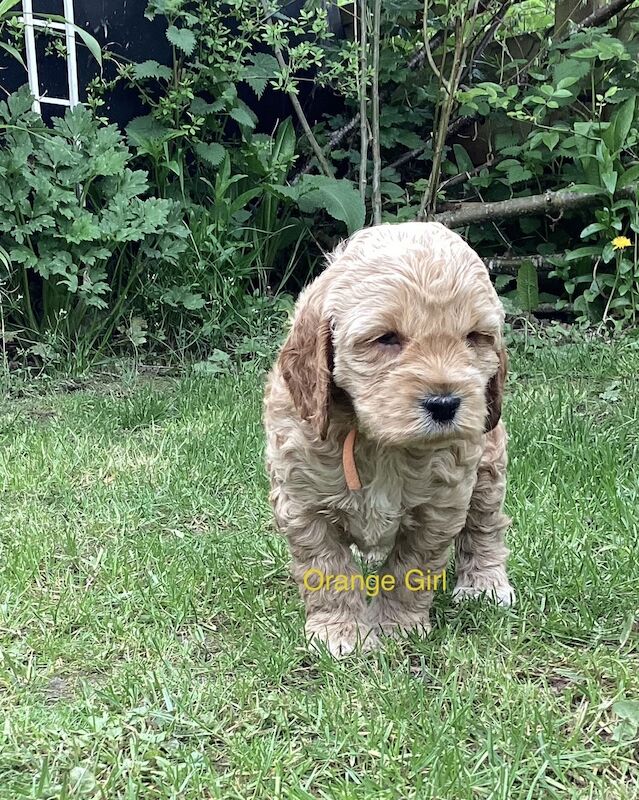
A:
(621, 242)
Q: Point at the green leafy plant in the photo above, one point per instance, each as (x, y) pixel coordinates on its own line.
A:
(250, 224)
(79, 231)
(530, 112)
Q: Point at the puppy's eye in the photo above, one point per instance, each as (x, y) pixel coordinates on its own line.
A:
(390, 339)
(478, 339)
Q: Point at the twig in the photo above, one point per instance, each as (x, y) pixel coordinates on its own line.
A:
(601, 15)
(338, 136)
(550, 202)
(487, 38)
(363, 98)
(429, 198)
(299, 111)
(453, 127)
(417, 60)
(464, 176)
(377, 158)
(429, 54)
(503, 265)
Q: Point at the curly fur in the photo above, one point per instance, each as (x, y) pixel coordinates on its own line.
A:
(425, 484)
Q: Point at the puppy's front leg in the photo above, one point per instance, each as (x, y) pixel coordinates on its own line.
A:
(416, 564)
(481, 553)
(336, 609)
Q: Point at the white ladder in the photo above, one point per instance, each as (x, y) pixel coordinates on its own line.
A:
(30, 24)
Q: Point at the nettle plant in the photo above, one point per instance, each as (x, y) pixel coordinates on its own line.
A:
(78, 233)
(247, 219)
(197, 117)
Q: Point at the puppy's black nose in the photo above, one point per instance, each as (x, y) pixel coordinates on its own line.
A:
(441, 407)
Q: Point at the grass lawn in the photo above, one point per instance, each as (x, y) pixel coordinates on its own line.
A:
(151, 640)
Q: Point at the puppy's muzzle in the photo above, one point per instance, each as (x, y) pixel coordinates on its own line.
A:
(441, 407)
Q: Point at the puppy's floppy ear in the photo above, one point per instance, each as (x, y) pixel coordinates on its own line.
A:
(494, 393)
(306, 361)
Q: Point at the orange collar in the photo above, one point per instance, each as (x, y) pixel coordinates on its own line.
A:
(348, 462)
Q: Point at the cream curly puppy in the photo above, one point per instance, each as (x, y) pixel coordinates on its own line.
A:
(382, 417)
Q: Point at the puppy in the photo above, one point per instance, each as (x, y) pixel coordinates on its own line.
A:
(382, 417)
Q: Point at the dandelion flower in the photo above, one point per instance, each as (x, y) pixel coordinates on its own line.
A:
(621, 242)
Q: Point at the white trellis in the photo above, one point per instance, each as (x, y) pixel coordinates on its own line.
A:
(32, 22)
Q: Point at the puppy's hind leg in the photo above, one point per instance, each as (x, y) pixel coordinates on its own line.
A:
(480, 549)
(336, 609)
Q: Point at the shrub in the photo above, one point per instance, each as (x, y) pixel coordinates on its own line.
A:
(79, 234)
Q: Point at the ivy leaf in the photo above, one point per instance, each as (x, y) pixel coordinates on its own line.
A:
(151, 69)
(213, 153)
(550, 139)
(628, 710)
(527, 286)
(182, 38)
(625, 731)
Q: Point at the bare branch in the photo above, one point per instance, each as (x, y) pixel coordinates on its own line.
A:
(464, 176)
(377, 157)
(460, 214)
(603, 14)
(338, 136)
(363, 98)
(429, 198)
(299, 111)
(417, 61)
(454, 126)
(429, 54)
(487, 38)
(502, 265)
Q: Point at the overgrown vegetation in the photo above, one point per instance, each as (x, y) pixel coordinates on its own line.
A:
(509, 121)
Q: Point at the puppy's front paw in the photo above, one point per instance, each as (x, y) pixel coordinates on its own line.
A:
(340, 638)
(503, 595)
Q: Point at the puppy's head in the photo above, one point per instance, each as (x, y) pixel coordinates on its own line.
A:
(406, 322)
